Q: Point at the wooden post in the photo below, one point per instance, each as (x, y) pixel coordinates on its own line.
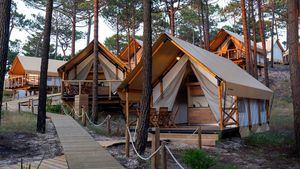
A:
(6, 106)
(19, 107)
(83, 119)
(267, 110)
(32, 106)
(127, 123)
(259, 111)
(155, 137)
(249, 114)
(79, 92)
(109, 125)
(220, 104)
(110, 90)
(164, 161)
(237, 111)
(199, 137)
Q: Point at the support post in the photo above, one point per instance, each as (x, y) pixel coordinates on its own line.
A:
(79, 92)
(155, 137)
(109, 126)
(83, 119)
(110, 90)
(199, 137)
(249, 114)
(32, 106)
(6, 106)
(259, 111)
(164, 161)
(220, 104)
(237, 112)
(19, 107)
(127, 123)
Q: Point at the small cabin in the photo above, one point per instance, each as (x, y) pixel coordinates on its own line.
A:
(192, 90)
(132, 53)
(231, 46)
(77, 76)
(24, 74)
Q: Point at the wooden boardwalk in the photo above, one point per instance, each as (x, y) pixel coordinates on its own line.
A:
(81, 150)
(58, 162)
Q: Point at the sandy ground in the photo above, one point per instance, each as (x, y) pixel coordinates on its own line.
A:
(28, 146)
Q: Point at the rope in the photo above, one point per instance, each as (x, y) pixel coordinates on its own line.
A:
(141, 157)
(173, 157)
(97, 125)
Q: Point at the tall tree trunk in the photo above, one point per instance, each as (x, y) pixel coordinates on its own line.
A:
(206, 25)
(143, 124)
(293, 41)
(89, 28)
(272, 33)
(128, 52)
(41, 119)
(56, 34)
(246, 38)
(73, 29)
(203, 23)
(171, 14)
(254, 40)
(96, 63)
(200, 23)
(4, 39)
(118, 37)
(263, 41)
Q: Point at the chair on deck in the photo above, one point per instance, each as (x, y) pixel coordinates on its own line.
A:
(164, 116)
(173, 116)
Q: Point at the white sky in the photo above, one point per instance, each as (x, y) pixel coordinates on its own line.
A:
(104, 30)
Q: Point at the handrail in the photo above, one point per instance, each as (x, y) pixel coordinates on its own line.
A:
(90, 81)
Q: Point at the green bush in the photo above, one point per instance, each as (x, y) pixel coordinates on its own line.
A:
(198, 159)
(53, 108)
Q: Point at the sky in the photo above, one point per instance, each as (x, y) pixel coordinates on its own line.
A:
(104, 30)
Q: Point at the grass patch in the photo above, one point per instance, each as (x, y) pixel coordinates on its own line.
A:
(198, 159)
(270, 139)
(53, 108)
(18, 122)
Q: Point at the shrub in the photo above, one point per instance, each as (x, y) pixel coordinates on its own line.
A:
(198, 159)
(53, 108)
(269, 139)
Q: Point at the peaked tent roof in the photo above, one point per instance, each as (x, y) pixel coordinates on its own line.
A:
(32, 65)
(268, 45)
(238, 81)
(86, 52)
(222, 35)
(124, 54)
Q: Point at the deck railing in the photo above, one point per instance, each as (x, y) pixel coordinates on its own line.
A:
(21, 81)
(231, 54)
(77, 87)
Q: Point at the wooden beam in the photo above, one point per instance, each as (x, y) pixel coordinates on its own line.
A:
(237, 112)
(127, 122)
(249, 114)
(220, 90)
(155, 137)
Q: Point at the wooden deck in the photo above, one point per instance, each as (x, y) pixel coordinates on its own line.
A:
(58, 162)
(81, 150)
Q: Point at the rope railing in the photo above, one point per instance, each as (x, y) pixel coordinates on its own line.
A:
(172, 155)
(97, 125)
(136, 152)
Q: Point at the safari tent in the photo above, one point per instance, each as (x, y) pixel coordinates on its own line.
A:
(132, 53)
(77, 75)
(24, 74)
(198, 88)
(231, 46)
(278, 51)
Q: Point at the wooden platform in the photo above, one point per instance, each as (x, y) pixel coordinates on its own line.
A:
(81, 150)
(58, 162)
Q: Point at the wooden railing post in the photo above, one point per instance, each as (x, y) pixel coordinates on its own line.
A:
(127, 124)
(19, 107)
(109, 90)
(83, 119)
(164, 161)
(200, 137)
(6, 106)
(32, 106)
(109, 125)
(155, 138)
(79, 92)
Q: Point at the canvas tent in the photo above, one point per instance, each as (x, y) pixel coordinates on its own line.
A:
(25, 71)
(223, 84)
(231, 45)
(132, 53)
(278, 51)
(80, 67)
